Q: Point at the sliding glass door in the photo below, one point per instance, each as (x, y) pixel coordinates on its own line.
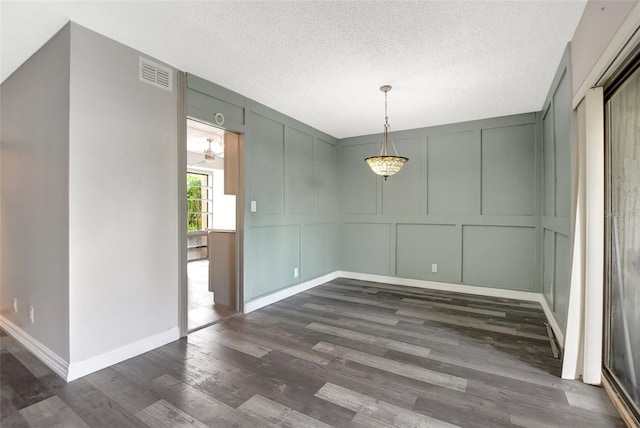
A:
(622, 331)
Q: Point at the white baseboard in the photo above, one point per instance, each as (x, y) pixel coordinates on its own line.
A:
(444, 286)
(431, 285)
(552, 321)
(274, 297)
(468, 289)
(44, 354)
(85, 367)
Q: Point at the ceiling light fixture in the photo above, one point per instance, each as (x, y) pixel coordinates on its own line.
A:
(209, 154)
(385, 164)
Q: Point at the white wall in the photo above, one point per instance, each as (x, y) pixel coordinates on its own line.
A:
(34, 194)
(123, 233)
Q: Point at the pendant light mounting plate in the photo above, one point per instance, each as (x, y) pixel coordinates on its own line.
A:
(385, 88)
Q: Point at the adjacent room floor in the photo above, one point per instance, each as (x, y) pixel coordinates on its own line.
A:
(347, 353)
(201, 310)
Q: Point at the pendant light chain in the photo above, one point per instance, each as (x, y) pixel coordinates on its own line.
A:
(385, 164)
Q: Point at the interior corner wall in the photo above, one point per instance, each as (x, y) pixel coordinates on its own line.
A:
(463, 210)
(34, 195)
(556, 232)
(123, 217)
(291, 173)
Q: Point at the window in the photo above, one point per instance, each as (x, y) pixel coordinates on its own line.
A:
(199, 202)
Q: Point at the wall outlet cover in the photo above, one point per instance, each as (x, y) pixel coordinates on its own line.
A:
(15, 305)
(254, 206)
(295, 272)
(434, 267)
(31, 314)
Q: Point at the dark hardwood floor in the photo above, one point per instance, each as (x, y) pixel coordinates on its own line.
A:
(347, 353)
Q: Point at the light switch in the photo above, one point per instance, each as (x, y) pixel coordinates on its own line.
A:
(254, 206)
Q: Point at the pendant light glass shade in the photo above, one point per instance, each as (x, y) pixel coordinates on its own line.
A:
(385, 164)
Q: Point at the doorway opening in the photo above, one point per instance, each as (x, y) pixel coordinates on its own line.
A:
(211, 195)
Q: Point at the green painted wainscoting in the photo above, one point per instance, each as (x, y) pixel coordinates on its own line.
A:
(556, 180)
(291, 172)
(467, 200)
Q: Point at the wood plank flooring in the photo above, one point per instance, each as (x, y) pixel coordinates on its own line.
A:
(345, 354)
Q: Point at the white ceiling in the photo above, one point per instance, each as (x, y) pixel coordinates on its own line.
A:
(198, 134)
(323, 62)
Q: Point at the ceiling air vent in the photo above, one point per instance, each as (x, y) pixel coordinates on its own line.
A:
(155, 74)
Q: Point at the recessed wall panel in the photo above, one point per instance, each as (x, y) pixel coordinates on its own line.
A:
(454, 173)
(508, 174)
(266, 169)
(548, 270)
(549, 163)
(403, 193)
(272, 252)
(298, 164)
(419, 246)
(319, 250)
(365, 247)
(326, 177)
(499, 256)
(562, 277)
(358, 181)
(562, 120)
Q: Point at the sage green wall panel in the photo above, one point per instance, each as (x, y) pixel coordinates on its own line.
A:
(273, 253)
(292, 171)
(557, 143)
(562, 276)
(508, 174)
(326, 177)
(548, 270)
(265, 146)
(421, 245)
(365, 247)
(403, 192)
(320, 253)
(454, 173)
(562, 119)
(426, 219)
(498, 256)
(549, 170)
(298, 163)
(358, 182)
(206, 107)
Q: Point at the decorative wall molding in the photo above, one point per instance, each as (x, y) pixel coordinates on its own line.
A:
(276, 296)
(99, 362)
(553, 322)
(44, 354)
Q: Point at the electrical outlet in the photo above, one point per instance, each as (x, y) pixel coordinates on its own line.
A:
(15, 305)
(254, 206)
(31, 314)
(295, 272)
(434, 267)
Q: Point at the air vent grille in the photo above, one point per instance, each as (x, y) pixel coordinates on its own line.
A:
(155, 74)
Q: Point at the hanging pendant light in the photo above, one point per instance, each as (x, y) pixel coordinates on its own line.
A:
(385, 164)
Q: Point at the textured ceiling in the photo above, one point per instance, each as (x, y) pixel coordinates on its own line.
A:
(323, 62)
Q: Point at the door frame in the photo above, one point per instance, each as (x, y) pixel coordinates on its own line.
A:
(183, 298)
